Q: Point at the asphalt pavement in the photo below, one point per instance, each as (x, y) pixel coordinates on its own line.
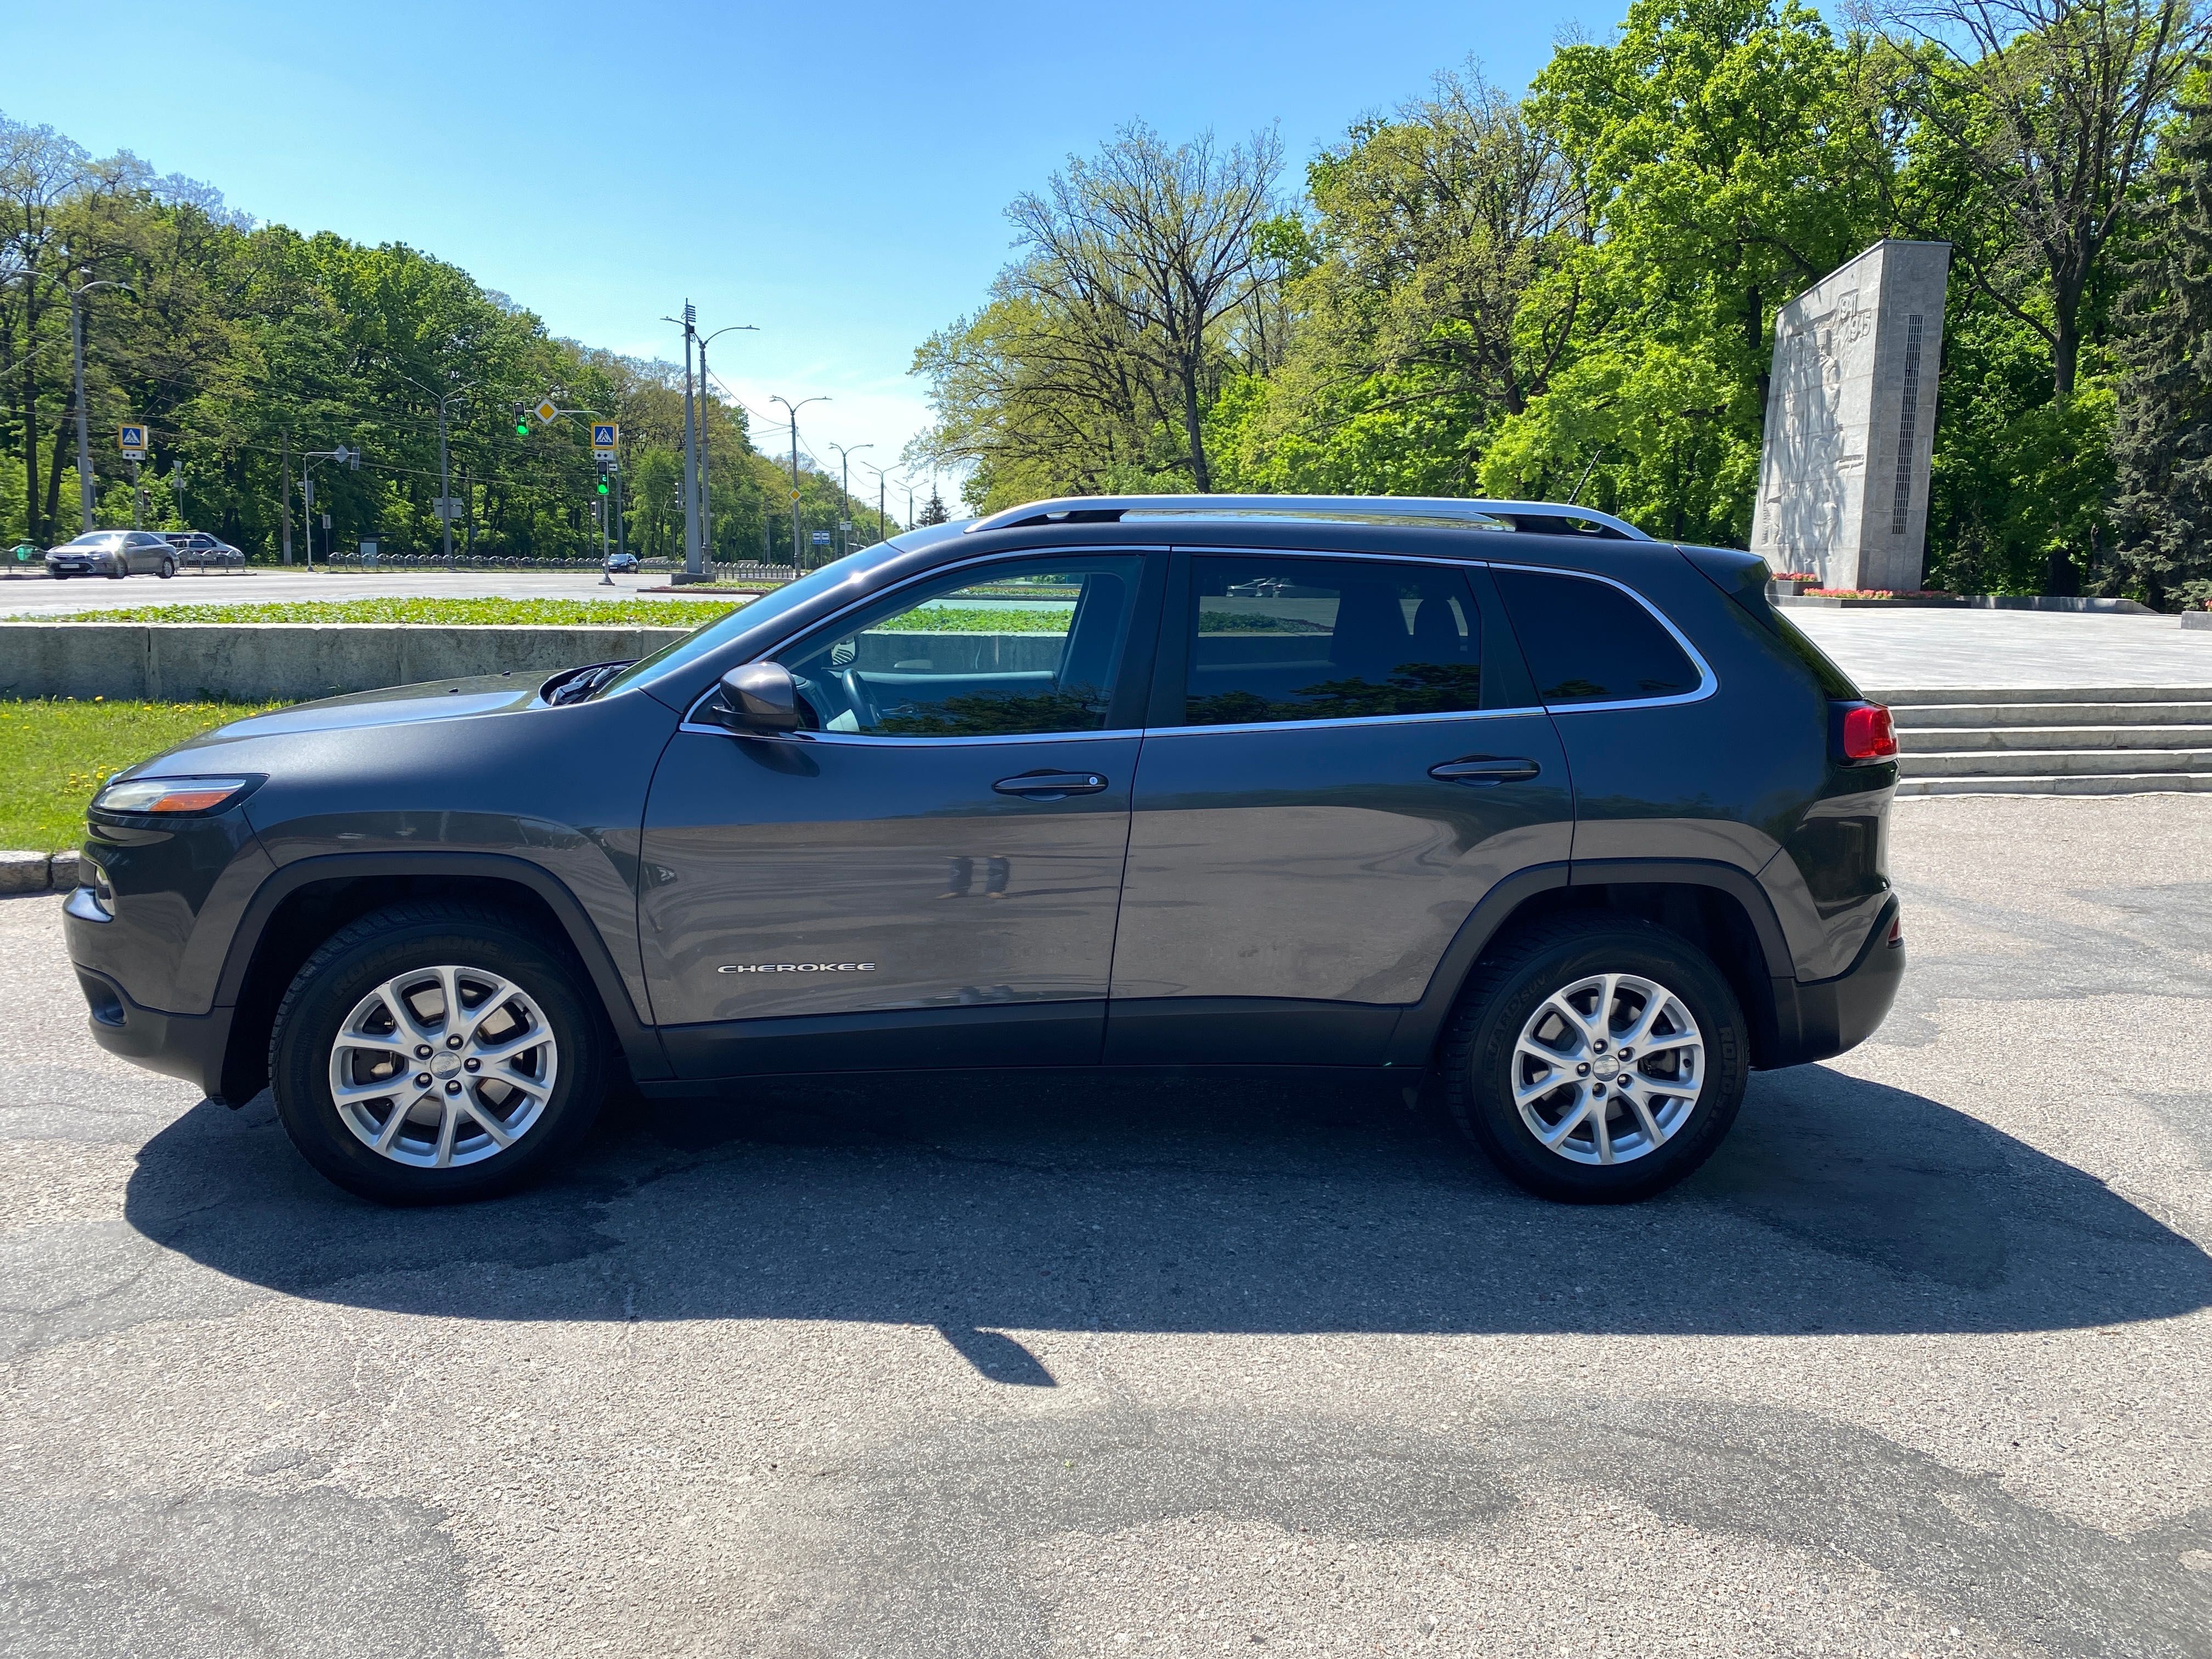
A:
(1168, 1364)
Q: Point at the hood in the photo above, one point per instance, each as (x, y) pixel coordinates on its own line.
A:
(398, 705)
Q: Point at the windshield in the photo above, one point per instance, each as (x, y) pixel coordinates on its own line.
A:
(98, 538)
(853, 569)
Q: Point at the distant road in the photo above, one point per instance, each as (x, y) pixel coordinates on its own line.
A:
(260, 586)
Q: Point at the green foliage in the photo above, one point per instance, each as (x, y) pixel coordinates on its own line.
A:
(242, 346)
(55, 754)
(445, 613)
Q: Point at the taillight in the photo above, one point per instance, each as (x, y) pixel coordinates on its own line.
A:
(1867, 734)
(1896, 928)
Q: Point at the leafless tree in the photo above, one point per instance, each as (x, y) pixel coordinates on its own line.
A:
(2053, 107)
(1155, 246)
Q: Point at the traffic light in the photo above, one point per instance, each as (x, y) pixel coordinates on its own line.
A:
(605, 467)
(521, 420)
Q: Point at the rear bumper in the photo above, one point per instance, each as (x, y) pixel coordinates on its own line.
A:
(1815, 1020)
(186, 1046)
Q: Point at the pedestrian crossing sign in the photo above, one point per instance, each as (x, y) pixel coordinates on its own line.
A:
(604, 437)
(131, 438)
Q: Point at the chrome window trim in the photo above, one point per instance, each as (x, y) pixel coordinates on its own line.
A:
(1156, 732)
(875, 740)
(690, 724)
(1708, 682)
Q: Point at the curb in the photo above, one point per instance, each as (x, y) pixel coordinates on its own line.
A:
(38, 872)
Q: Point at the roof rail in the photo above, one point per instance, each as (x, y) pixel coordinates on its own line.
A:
(1541, 518)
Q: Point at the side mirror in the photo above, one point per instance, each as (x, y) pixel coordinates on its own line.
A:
(757, 699)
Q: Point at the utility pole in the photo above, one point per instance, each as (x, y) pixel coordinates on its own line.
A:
(469, 520)
(285, 514)
(793, 409)
(445, 465)
(177, 494)
(845, 506)
(83, 425)
(706, 393)
(622, 525)
(909, 503)
(691, 545)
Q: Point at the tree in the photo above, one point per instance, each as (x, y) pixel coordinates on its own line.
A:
(2052, 108)
(2163, 441)
(1143, 285)
(934, 513)
(1729, 163)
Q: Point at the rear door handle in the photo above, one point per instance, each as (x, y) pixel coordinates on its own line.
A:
(1484, 768)
(1051, 785)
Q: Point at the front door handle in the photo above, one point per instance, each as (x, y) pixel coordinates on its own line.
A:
(1051, 785)
(1484, 768)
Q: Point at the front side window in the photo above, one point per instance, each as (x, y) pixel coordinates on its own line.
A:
(1588, 641)
(1022, 648)
(1293, 639)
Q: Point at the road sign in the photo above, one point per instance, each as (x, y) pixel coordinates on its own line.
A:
(546, 410)
(131, 438)
(604, 435)
(309, 484)
(447, 507)
(327, 521)
(820, 539)
(342, 455)
(369, 553)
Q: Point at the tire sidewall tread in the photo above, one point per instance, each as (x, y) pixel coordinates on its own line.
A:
(1504, 989)
(370, 949)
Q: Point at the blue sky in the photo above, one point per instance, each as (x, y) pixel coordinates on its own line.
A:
(837, 176)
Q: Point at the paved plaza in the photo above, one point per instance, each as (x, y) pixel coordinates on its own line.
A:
(1180, 1364)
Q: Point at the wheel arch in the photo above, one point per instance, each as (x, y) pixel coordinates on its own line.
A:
(1718, 908)
(304, 903)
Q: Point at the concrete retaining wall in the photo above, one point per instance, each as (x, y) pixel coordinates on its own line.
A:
(258, 661)
(263, 661)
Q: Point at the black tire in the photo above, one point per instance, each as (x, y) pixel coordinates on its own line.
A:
(1481, 1067)
(390, 944)
(168, 569)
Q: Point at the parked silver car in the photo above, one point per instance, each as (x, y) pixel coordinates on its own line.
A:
(115, 553)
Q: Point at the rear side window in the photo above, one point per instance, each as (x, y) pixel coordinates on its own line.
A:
(1588, 641)
(1288, 639)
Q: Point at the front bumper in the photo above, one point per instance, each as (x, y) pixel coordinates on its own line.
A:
(1816, 1019)
(187, 1046)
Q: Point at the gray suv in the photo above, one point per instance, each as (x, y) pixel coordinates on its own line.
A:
(1504, 795)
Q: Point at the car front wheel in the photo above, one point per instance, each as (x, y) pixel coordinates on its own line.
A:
(168, 569)
(436, 1052)
(1596, 1060)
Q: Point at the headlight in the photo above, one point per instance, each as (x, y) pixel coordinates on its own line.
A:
(171, 794)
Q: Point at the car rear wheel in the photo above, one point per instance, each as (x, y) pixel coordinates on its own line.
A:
(168, 569)
(1596, 1060)
(434, 1052)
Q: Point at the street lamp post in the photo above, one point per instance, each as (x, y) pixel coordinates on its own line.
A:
(883, 520)
(690, 322)
(445, 467)
(845, 512)
(793, 409)
(706, 452)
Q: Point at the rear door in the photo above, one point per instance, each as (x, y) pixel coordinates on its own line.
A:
(935, 867)
(1342, 757)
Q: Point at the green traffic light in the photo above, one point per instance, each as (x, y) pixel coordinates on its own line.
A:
(602, 487)
(520, 430)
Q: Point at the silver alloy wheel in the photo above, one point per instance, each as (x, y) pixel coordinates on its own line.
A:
(443, 1067)
(1608, 1069)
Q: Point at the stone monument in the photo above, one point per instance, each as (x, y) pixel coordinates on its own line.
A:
(1850, 415)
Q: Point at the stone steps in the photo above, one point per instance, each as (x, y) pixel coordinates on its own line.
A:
(2053, 740)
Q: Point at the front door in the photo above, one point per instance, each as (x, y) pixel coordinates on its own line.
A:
(1341, 761)
(935, 867)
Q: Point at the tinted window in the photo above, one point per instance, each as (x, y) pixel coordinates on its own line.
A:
(1014, 649)
(1587, 641)
(1328, 639)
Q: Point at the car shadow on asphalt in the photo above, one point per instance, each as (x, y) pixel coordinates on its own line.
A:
(1268, 1201)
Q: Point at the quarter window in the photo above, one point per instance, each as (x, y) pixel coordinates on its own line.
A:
(1016, 649)
(1273, 640)
(1588, 641)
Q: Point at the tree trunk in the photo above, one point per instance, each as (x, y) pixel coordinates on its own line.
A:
(31, 425)
(1201, 478)
(2066, 342)
(54, 475)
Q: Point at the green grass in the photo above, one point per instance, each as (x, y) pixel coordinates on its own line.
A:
(54, 753)
(532, 613)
